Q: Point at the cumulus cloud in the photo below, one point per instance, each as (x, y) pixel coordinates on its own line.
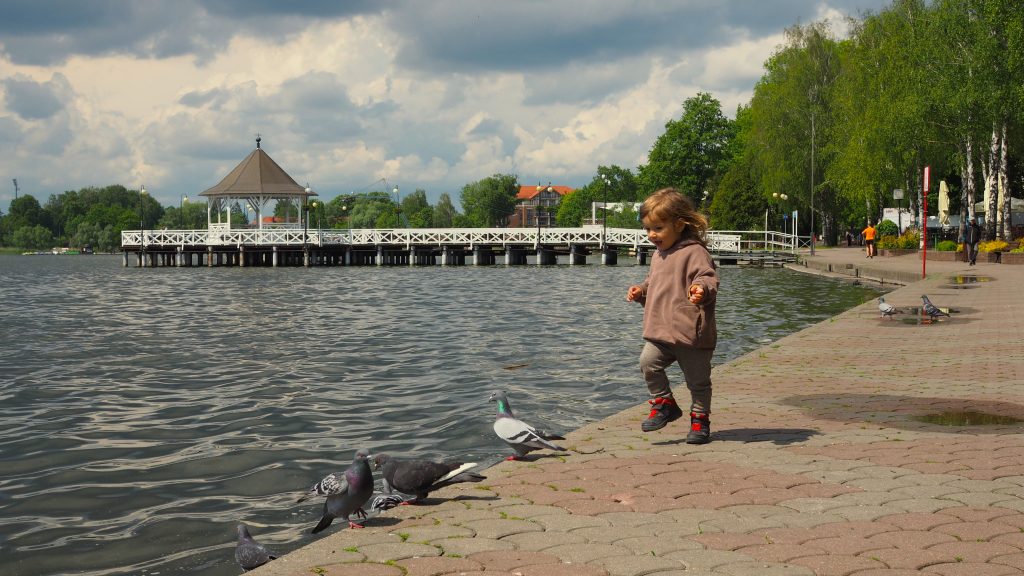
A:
(345, 94)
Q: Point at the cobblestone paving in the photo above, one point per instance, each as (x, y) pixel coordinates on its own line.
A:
(819, 464)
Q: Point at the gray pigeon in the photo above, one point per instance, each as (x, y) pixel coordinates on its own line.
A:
(930, 309)
(249, 553)
(383, 502)
(421, 477)
(887, 309)
(522, 437)
(346, 493)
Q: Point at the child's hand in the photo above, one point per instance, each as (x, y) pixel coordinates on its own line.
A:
(634, 293)
(696, 293)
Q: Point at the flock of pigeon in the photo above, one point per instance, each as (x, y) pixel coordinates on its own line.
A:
(933, 312)
(348, 492)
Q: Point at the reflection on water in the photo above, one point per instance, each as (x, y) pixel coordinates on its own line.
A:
(144, 412)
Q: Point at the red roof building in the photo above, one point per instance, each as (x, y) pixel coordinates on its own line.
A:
(537, 205)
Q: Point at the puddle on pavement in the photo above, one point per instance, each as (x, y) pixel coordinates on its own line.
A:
(967, 418)
(962, 279)
(916, 316)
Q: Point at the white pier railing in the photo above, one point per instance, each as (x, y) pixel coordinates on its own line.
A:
(593, 236)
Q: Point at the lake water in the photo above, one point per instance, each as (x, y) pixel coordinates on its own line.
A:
(144, 412)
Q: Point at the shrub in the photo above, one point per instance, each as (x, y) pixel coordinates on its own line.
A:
(993, 246)
(888, 228)
(909, 240)
(947, 246)
(886, 243)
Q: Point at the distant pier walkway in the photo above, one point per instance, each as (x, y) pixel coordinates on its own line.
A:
(291, 246)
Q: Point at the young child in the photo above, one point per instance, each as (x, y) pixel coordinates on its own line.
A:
(678, 297)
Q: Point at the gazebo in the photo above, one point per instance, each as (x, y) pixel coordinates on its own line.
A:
(250, 187)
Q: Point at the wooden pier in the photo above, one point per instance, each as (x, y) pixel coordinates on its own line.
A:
(290, 246)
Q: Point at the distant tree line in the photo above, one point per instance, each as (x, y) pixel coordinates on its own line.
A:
(834, 125)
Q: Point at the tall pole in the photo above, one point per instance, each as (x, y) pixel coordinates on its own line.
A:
(812, 183)
(181, 213)
(15, 188)
(924, 223)
(142, 218)
(604, 217)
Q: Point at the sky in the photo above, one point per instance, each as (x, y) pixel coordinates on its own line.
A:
(352, 96)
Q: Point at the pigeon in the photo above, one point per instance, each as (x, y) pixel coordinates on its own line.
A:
(522, 437)
(421, 477)
(382, 502)
(249, 553)
(346, 492)
(887, 309)
(930, 309)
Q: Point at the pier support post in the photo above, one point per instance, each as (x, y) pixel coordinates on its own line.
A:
(380, 255)
(273, 258)
(124, 259)
(609, 257)
(241, 256)
(641, 257)
(576, 255)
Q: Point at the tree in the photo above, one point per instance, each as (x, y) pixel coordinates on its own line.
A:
(488, 202)
(416, 211)
(691, 150)
(32, 237)
(791, 116)
(444, 213)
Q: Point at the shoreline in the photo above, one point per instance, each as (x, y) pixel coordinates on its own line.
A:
(815, 444)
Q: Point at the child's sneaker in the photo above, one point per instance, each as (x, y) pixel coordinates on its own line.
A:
(663, 411)
(700, 429)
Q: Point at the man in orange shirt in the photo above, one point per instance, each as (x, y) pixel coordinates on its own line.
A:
(869, 239)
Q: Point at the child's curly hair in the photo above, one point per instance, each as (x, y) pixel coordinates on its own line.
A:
(668, 204)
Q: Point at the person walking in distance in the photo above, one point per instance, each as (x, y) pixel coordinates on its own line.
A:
(678, 297)
(972, 236)
(869, 238)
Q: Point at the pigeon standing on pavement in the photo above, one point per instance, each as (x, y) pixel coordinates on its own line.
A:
(249, 553)
(522, 437)
(930, 309)
(346, 493)
(887, 309)
(421, 477)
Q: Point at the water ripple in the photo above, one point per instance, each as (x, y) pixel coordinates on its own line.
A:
(146, 411)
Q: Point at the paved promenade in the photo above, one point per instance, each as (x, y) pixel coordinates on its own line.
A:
(818, 465)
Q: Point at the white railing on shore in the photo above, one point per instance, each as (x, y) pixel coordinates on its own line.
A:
(718, 240)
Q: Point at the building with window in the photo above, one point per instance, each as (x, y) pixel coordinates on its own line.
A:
(537, 206)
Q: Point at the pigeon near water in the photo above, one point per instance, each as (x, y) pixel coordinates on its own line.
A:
(887, 309)
(421, 477)
(930, 309)
(522, 437)
(346, 492)
(249, 553)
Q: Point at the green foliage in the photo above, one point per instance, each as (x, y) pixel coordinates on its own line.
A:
(909, 240)
(947, 246)
(416, 211)
(886, 243)
(444, 214)
(887, 228)
(691, 151)
(35, 237)
(488, 202)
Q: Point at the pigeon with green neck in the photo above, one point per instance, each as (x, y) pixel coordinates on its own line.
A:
(522, 437)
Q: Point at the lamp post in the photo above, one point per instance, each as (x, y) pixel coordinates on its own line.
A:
(305, 217)
(398, 205)
(181, 207)
(897, 195)
(142, 218)
(604, 218)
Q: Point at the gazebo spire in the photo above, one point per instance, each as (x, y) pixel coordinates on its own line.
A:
(258, 140)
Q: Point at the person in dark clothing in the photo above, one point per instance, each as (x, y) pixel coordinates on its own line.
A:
(972, 236)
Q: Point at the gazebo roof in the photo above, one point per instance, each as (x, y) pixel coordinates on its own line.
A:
(258, 175)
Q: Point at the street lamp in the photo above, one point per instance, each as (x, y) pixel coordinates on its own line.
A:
(604, 219)
(398, 205)
(181, 206)
(142, 218)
